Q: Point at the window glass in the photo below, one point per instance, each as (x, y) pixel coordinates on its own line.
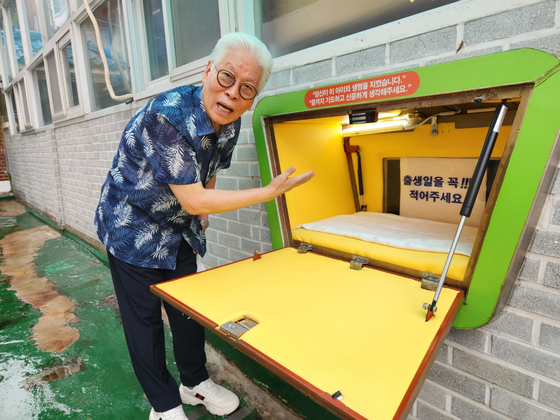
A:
(57, 12)
(110, 19)
(25, 104)
(32, 10)
(155, 38)
(18, 45)
(292, 25)
(55, 86)
(14, 108)
(41, 79)
(70, 76)
(5, 59)
(196, 29)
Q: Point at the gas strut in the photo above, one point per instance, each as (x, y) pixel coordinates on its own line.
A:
(361, 182)
(470, 198)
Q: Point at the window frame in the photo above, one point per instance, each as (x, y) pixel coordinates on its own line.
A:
(4, 55)
(45, 31)
(76, 110)
(7, 20)
(25, 116)
(35, 95)
(24, 82)
(71, 32)
(63, 112)
(191, 73)
(88, 93)
(28, 49)
(143, 37)
(10, 101)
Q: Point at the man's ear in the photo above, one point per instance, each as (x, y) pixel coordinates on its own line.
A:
(206, 71)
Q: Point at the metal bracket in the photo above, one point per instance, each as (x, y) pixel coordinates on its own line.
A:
(304, 247)
(357, 262)
(426, 307)
(237, 329)
(429, 281)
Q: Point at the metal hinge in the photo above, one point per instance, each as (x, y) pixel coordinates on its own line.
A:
(357, 262)
(237, 329)
(303, 248)
(429, 281)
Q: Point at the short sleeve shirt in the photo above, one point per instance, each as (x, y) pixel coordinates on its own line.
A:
(170, 140)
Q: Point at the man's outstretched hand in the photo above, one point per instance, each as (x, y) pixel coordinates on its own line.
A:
(283, 183)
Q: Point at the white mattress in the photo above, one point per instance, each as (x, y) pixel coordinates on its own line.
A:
(397, 231)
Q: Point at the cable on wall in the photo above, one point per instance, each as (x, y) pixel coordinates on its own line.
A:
(103, 57)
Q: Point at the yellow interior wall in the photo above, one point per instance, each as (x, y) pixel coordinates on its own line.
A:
(319, 147)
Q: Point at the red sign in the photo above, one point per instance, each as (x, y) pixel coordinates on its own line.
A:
(390, 86)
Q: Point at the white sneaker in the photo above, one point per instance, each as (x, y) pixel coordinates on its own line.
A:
(176, 413)
(216, 398)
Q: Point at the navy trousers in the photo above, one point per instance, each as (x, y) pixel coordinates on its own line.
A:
(143, 328)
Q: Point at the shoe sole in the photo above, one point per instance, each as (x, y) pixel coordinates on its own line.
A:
(190, 400)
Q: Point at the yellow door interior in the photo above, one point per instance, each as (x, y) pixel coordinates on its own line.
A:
(324, 327)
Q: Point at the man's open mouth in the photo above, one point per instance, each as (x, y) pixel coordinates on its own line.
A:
(224, 108)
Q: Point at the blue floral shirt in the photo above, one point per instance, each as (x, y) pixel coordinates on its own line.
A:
(170, 140)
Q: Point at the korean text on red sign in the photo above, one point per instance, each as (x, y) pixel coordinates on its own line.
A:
(390, 86)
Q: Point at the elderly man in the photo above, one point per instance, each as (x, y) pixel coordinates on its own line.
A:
(153, 213)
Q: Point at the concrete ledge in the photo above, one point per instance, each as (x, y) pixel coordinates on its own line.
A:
(267, 406)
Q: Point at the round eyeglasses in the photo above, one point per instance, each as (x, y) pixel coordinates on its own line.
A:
(227, 79)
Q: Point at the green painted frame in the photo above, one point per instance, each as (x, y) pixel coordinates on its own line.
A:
(536, 139)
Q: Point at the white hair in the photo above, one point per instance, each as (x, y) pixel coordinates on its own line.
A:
(249, 43)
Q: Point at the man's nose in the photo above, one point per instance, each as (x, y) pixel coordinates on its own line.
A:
(233, 90)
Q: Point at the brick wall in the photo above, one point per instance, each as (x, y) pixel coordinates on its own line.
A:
(508, 369)
(3, 162)
(85, 152)
(34, 169)
(59, 172)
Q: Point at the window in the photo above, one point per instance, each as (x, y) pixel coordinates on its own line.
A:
(110, 19)
(55, 86)
(292, 25)
(69, 74)
(32, 10)
(24, 104)
(196, 29)
(4, 46)
(155, 38)
(18, 43)
(12, 96)
(57, 12)
(40, 81)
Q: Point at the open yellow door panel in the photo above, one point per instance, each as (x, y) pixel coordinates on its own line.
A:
(329, 330)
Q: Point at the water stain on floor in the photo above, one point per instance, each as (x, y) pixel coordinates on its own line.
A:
(54, 331)
(11, 208)
(58, 371)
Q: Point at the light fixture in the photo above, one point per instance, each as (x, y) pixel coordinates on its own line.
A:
(396, 120)
(378, 127)
(383, 115)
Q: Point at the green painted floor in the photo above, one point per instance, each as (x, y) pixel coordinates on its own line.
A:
(107, 387)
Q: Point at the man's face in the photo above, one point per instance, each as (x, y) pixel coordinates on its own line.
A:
(225, 105)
